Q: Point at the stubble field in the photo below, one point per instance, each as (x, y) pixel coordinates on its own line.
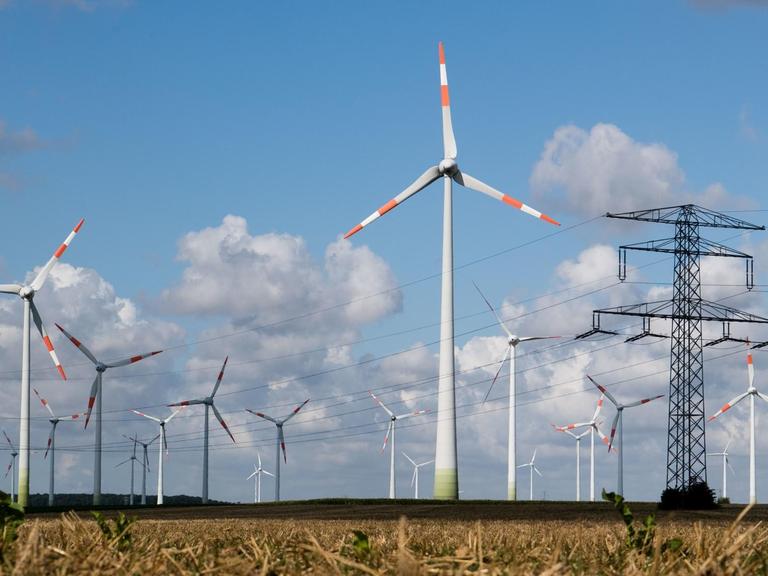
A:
(348, 537)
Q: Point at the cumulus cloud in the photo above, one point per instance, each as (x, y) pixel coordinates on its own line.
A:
(12, 143)
(604, 169)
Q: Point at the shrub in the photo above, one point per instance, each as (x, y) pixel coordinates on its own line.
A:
(696, 496)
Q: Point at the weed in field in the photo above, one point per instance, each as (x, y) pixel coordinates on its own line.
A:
(640, 537)
(11, 517)
(116, 531)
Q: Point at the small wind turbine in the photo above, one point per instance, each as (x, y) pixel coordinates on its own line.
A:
(391, 430)
(257, 472)
(11, 466)
(594, 426)
(532, 468)
(751, 393)
(578, 438)
(54, 420)
(145, 469)
(511, 353)
(617, 424)
(446, 467)
(132, 460)
(415, 477)
(163, 446)
(726, 465)
(27, 294)
(280, 440)
(208, 401)
(96, 395)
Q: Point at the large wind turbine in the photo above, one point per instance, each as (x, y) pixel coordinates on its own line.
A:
(145, 469)
(617, 424)
(11, 467)
(578, 438)
(726, 466)
(208, 401)
(751, 393)
(594, 426)
(27, 294)
(532, 468)
(511, 353)
(280, 440)
(163, 446)
(446, 468)
(257, 472)
(132, 460)
(391, 431)
(54, 420)
(96, 396)
(415, 477)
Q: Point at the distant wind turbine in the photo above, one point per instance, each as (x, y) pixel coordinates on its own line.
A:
(208, 401)
(96, 396)
(27, 294)
(531, 468)
(415, 477)
(578, 438)
(145, 469)
(726, 466)
(11, 466)
(257, 472)
(163, 447)
(132, 460)
(280, 440)
(54, 420)
(446, 467)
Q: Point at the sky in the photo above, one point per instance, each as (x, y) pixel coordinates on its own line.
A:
(219, 153)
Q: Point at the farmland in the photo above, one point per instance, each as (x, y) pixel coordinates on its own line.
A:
(337, 536)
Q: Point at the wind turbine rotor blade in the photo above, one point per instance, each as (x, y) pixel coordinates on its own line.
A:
(413, 477)
(643, 401)
(281, 438)
(729, 466)
(449, 141)
(728, 405)
(614, 424)
(132, 359)
(536, 470)
(261, 415)
(604, 391)
(568, 427)
(474, 184)
(409, 414)
(221, 421)
(92, 399)
(187, 402)
(498, 318)
(9, 441)
(8, 469)
(44, 402)
(380, 403)
(10, 289)
(598, 408)
(386, 437)
(267, 473)
(46, 340)
(530, 338)
(295, 411)
(221, 376)
(429, 176)
(50, 441)
(153, 440)
(763, 396)
(258, 455)
(79, 345)
(750, 369)
(147, 416)
(39, 280)
(165, 440)
(176, 412)
(408, 458)
(725, 450)
(123, 462)
(496, 377)
(252, 474)
(603, 437)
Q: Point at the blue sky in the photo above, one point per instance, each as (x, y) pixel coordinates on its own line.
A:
(156, 120)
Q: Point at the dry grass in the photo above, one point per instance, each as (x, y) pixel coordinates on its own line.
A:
(71, 545)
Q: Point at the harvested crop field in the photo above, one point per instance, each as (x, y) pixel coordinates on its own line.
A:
(392, 538)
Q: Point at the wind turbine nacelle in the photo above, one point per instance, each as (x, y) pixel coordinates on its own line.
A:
(448, 167)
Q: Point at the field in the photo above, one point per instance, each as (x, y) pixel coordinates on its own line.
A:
(381, 537)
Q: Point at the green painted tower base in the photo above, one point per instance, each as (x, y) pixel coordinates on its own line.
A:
(446, 484)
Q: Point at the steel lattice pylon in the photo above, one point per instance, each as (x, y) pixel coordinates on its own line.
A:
(686, 443)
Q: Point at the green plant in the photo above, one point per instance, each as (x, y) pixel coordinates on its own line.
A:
(11, 517)
(118, 531)
(639, 537)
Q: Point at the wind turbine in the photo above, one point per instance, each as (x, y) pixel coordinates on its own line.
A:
(208, 401)
(391, 430)
(257, 472)
(415, 477)
(163, 446)
(132, 460)
(751, 393)
(27, 294)
(726, 465)
(578, 438)
(532, 468)
(96, 396)
(54, 420)
(144, 445)
(280, 440)
(511, 353)
(617, 424)
(446, 468)
(594, 426)
(11, 466)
